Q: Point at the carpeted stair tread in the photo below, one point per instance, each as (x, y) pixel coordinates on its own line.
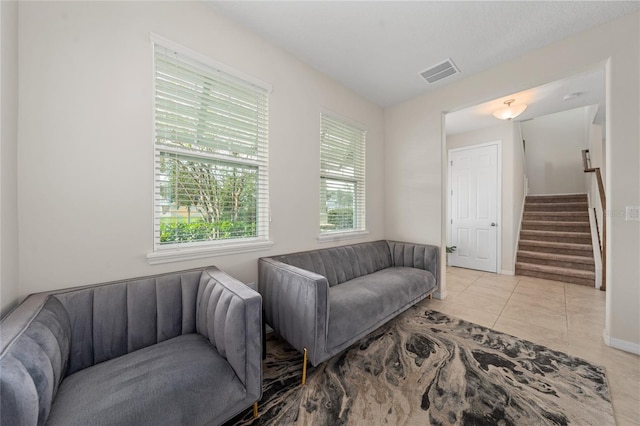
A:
(556, 233)
(555, 270)
(590, 282)
(572, 249)
(567, 226)
(582, 263)
(554, 256)
(557, 216)
(556, 236)
(557, 198)
(555, 244)
(555, 207)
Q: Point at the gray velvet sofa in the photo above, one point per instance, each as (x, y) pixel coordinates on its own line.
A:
(325, 300)
(174, 349)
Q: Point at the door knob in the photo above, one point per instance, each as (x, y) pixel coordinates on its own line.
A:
(494, 224)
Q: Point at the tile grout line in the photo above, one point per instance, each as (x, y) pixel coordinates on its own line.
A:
(470, 284)
(474, 280)
(505, 304)
(566, 310)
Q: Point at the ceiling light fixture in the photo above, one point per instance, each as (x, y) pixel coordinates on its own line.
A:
(510, 111)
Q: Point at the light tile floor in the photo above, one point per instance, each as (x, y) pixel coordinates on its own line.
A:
(562, 316)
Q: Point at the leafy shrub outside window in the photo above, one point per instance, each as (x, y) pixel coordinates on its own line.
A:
(341, 218)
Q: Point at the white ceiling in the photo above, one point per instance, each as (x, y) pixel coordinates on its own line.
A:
(543, 100)
(377, 49)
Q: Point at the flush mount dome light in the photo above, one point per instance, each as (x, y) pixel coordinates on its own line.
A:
(510, 111)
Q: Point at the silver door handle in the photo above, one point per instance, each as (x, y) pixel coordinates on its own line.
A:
(494, 224)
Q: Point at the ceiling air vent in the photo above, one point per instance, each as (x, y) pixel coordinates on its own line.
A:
(440, 71)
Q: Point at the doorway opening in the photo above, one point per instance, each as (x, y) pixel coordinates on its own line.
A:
(475, 182)
(580, 99)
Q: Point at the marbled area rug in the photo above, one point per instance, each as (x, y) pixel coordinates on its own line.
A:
(426, 368)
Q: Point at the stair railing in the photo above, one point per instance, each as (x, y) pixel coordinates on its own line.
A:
(586, 162)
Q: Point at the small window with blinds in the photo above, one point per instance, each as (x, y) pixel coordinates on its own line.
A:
(342, 176)
(211, 139)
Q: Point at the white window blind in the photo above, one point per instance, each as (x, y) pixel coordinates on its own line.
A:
(342, 176)
(211, 154)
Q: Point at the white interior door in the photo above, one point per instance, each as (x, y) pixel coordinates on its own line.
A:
(474, 207)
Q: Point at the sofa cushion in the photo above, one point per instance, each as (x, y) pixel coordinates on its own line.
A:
(179, 381)
(364, 302)
(341, 264)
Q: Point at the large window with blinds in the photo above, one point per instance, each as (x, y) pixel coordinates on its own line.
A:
(342, 176)
(211, 139)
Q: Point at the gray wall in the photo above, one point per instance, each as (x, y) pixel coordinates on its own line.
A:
(554, 145)
(86, 138)
(9, 286)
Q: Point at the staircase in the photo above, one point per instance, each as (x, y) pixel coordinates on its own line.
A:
(555, 239)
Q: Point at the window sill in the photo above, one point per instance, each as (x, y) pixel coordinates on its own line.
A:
(339, 236)
(169, 255)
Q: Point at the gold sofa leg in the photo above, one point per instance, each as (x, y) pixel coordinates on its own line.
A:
(430, 296)
(304, 366)
(255, 410)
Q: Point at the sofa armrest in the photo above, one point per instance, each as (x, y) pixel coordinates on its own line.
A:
(296, 305)
(34, 355)
(229, 314)
(421, 256)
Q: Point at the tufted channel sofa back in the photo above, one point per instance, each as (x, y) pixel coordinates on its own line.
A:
(341, 264)
(55, 334)
(344, 263)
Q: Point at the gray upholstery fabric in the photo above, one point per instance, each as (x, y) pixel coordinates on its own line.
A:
(340, 264)
(181, 381)
(56, 336)
(296, 305)
(229, 314)
(325, 300)
(112, 320)
(31, 372)
(420, 256)
(362, 304)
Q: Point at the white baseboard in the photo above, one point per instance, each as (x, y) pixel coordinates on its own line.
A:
(505, 272)
(440, 295)
(623, 345)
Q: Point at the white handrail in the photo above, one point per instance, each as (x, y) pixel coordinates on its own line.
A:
(601, 224)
